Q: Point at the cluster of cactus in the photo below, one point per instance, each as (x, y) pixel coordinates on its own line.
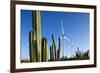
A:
(38, 46)
(54, 52)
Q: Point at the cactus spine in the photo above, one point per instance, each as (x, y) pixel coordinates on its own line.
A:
(44, 53)
(37, 29)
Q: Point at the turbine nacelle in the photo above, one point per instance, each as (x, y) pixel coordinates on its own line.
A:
(63, 33)
(64, 37)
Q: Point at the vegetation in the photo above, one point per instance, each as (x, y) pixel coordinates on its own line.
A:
(79, 55)
(54, 52)
(44, 52)
(38, 46)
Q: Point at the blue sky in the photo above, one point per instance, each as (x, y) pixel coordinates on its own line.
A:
(76, 26)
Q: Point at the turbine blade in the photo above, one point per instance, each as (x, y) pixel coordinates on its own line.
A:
(66, 38)
(72, 44)
(62, 27)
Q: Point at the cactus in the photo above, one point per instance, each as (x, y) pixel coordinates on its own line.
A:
(54, 53)
(32, 42)
(54, 47)
(31, 46)
(44, 53)
(37, 29)
(51, 54)
(58, 51)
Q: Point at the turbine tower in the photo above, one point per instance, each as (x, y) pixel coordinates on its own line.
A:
(63, 38)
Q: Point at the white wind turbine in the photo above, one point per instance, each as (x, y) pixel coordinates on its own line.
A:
(63, 38)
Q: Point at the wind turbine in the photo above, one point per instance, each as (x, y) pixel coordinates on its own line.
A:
(71, 47)
(63, 37)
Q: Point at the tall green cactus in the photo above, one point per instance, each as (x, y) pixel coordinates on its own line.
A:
(58, 51)
(37, 29)
(44, 53)
(54, 46)
(32, 46)
(51, 54)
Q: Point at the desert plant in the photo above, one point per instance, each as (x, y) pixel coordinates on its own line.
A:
(54, 47)
(78, 53)
(37, 29)
(51, 56)
(58, 51)
(44, 53)
(86, 55)
(54, 52)
(32, 46)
